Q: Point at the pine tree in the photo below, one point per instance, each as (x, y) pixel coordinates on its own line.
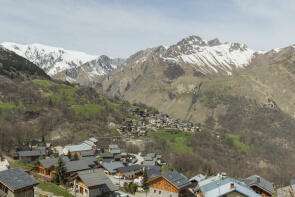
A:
(144, 180)
(60, 172)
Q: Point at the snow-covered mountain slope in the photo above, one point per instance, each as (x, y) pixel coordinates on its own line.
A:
(69, 65)
(210, 56)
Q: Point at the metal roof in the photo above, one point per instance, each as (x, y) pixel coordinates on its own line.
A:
(260, 182)
(197, 178)
(177, 179)
(77, 148)
(16, 179)
(222, 186)
(112, 166)
(97, 177)
(92, 139)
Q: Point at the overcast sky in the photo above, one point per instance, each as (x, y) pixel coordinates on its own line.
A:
(119, 28)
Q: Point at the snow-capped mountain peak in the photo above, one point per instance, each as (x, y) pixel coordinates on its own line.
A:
(51, 59)
(211, 56)
(73, 66)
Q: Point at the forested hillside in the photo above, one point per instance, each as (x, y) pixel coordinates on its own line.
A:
(33, 105)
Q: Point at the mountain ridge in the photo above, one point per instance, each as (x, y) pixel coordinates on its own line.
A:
(61, 64)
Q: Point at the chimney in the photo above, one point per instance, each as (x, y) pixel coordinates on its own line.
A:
(232, 186)
(258, 179)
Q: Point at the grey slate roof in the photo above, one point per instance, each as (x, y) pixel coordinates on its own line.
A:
(16, 179)
(177, 179)
(47, 163)
(31, 153)
(130, 168)
(112, 166)
(261, 182)
(78, 165)
(153, 171)
(97, 177)
(87, 153)
(103, 155)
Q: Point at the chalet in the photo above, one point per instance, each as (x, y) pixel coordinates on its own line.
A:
(93, 183)
(172, 184)
(260, 185)
(31, 156)
(16, 183)
(80, 165)
(224, 186)
(111, 167)
(130, 172)
(45, 168)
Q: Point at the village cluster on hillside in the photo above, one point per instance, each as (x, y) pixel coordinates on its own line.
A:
(152, 120)
(85, 169)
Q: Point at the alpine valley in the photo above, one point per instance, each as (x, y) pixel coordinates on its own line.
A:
(243, 99)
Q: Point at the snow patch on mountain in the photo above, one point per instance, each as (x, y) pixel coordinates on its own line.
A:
(51, 59)
(210, 55)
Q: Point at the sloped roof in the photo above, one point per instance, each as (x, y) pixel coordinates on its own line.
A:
(198, 178)
(77, 148)
(130, 168)
(16, 179)
(97, 177)
(78, 165)
(47, 163)
(260, 182)
(111, 146)
(153, 171)
(31, 153)
(92, 139)
(177, 179)
(90, 143)
(112, 166)
(116, 150)
(107, 155)
(87, 153)
(222, 186)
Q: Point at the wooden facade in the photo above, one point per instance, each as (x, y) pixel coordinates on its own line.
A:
(261, 191)
(162, 184)
(44, 174)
